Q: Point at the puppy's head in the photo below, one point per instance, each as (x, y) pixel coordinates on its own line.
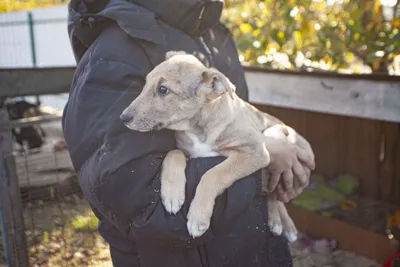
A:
(174, 93)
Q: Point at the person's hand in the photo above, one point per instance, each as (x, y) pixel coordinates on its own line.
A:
(292, 160)
(290, 187)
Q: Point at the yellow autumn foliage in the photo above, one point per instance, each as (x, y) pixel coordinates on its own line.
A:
(22, 5)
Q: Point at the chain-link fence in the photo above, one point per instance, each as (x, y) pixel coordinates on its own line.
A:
(36, 38)
(44, 218)
(58, 226)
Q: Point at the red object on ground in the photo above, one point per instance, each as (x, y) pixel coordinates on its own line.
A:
(390, 261)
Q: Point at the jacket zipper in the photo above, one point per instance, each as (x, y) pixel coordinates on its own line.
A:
(202, 249)
(201, 43)
(207, 51)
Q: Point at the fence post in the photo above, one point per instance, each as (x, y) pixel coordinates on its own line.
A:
(33, 44)
(32, 38)
(11, 218)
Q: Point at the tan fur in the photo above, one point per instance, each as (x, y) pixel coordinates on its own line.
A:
(209, 119)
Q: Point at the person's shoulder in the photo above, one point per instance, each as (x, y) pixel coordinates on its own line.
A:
(113, 44)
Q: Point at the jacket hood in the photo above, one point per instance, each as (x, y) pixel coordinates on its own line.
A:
(138, 18)
(190, 16)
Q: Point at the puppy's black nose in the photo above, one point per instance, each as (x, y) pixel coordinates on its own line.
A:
(125, 117)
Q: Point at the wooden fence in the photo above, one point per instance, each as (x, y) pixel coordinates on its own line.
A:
(352, 122)
(369, 149)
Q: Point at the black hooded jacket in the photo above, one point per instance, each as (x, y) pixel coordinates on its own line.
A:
(116, 43)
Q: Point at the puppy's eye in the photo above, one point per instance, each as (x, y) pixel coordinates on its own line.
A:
(163, 90)
(213, 82)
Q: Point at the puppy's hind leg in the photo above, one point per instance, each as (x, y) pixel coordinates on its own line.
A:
(289, 228)
(279, 220)
(274, 217)
(173, 181)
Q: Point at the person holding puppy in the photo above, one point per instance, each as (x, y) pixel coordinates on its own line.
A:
(116, 43)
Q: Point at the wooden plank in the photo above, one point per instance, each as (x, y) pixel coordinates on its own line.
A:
(396, 191)
(374, 246)
(35, 81)
(342, 96)
(44, 167)
(295, 118)
(325, 132)
(349, 145)
(29, 121)
(364, 96)
(12, 220)
(390, 151)
(362, 153)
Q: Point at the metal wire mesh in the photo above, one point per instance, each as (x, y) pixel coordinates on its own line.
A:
(36, 38)
(60, 229)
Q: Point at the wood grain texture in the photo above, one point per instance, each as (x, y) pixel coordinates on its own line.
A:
(357, 98)
(348, 237)
(370, 96)
(351, 145)
(10, 201)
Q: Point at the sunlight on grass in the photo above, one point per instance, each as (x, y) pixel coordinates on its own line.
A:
(65, 234)
(85, 223)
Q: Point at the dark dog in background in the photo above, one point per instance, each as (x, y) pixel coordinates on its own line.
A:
(32, 136)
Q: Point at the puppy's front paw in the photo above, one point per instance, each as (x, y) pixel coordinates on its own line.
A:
(274, 218)
(290, 236)
(173, 181)
(197, 227)
(289, 228)
(173, 203)
(199, 217)
(173, 196)
(275, 225)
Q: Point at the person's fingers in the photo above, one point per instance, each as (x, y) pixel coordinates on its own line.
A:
(300, 175)
(273, 181)
(300, 183)
(287, 180)
(298, 189)
(306, 158)
(300, 141)
(308, 174)
(281, 194)
(288, 185)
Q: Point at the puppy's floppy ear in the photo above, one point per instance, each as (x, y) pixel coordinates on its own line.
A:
(216, 84)
(172, 53)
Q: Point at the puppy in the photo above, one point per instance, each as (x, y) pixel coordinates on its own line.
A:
(209, 119)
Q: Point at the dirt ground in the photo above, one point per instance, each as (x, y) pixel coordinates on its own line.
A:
(63, 234)
(339, 258)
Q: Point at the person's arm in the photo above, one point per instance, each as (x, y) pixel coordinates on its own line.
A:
(119, 169)
(290, 168)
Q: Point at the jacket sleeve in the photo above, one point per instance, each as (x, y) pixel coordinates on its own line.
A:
(120, 175)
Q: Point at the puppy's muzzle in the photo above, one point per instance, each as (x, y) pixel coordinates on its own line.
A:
(126, 118)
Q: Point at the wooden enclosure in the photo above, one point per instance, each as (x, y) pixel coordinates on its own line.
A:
(369, 149)
(351, 121)
(353, 125)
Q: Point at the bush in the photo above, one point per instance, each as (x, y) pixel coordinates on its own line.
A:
(331, 35)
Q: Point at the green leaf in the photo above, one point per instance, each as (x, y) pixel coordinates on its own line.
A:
(298, 39)
(371, 57)
(396, 37)
(45, 236)
(245, 28)
(356, 14)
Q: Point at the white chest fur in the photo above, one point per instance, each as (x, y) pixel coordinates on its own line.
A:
(196, 148)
